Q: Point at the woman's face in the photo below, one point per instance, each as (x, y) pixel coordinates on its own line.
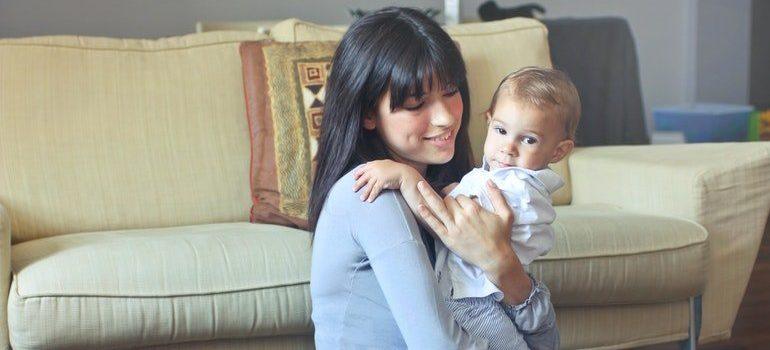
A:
(424, 129)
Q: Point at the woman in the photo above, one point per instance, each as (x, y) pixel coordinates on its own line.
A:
(398, 90)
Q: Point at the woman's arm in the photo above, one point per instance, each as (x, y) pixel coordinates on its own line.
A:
(387, 232)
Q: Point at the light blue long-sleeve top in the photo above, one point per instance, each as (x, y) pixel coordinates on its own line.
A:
(372, 283)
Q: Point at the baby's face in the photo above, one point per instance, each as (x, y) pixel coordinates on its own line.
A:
(523, 136)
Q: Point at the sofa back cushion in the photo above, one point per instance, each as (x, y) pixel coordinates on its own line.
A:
(491, 50)
(101, 134)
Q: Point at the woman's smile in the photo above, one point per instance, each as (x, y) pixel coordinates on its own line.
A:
(445, 139)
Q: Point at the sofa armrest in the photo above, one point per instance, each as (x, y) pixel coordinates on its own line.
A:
(5, 275)
(724, 187)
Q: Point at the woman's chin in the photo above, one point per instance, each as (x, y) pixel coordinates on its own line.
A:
(441, 158)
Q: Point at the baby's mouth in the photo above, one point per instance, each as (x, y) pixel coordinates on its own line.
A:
(500, 164)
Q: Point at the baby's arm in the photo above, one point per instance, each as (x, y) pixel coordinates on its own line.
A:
(373, 177)
(378, 175)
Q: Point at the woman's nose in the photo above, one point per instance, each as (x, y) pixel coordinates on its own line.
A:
(440, 115)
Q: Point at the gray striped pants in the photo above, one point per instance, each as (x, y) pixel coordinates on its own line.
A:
(530, 325)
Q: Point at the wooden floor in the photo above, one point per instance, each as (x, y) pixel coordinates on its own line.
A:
(752, 325)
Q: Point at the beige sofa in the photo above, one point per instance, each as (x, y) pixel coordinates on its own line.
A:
(124, 174)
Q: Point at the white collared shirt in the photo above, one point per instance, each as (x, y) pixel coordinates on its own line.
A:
(528, 192)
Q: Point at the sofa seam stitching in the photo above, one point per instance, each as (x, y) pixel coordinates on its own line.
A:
(179, 295)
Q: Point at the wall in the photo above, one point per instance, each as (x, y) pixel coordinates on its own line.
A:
(689, 50)
(156, 18)
(664, 36)
(724, 42)
(759, 86)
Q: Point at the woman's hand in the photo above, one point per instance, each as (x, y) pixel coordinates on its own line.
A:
(479, 236)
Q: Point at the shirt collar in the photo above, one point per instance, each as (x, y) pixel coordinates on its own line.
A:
(550, 180)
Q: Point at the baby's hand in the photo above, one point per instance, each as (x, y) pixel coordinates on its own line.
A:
(377, 176)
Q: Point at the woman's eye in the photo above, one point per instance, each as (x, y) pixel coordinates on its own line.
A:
(529, 140)
(501, 131)
(451, 91)
(413, 103)
(413, 106)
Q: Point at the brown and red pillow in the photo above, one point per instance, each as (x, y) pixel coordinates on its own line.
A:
(284, 87)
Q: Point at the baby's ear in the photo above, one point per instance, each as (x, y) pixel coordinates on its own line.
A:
(488, 116)
(562, 150)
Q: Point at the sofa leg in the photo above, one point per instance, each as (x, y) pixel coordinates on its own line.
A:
(695, 320)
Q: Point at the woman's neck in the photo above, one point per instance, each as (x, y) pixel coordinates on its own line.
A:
(421, 168)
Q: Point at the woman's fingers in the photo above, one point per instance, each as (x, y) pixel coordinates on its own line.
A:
(454, 208)
(432, 221)
(434, 203)
(469, 205)
(502, 208)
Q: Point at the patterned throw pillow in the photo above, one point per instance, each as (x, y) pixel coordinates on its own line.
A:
(284, 87)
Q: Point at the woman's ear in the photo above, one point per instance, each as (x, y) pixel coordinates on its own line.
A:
(562, 150)
(370, 123)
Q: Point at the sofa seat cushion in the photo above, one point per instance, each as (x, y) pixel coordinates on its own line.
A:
(607, 256)
(155, 286)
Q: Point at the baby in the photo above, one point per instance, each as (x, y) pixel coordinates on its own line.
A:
(532, 121)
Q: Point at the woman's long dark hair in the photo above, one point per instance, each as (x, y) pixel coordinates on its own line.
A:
(397, 50)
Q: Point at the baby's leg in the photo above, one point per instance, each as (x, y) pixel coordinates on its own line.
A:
(537, 321)
(485, 318)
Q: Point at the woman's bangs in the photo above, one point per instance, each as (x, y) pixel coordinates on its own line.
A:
(417, 68)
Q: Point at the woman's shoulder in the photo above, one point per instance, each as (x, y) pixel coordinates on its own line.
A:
(341, 197)
(343, 200)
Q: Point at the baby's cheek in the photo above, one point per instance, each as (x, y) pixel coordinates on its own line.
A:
(490, 145)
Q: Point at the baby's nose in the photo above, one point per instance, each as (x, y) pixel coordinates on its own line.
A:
(510, 149)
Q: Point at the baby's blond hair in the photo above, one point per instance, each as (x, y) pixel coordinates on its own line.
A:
(543, 88)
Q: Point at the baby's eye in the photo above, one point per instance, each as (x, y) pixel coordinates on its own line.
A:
(501, 131)
(529, 140)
